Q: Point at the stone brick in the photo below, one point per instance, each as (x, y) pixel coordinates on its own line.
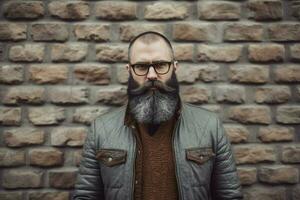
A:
(270, 94)
(296, 189)
(166, 10)
(46, 157)
(122, 74)
(236, 133)
(10, 116)
(278, 174)
(111, 53)
(68, 95)
(116, 95)
(248, 74)
(184, 52)
(254, 153)
(116, 10)
(13, 31)
(2, 49)
(96, 74)
(191, 73)
(57, 195)
(295, 11)
(187, 73)
(11, 74)
(243, 32)
(21, 9)
(265, 193)
(130, 30)
(250, 114)
(288, 73)
(85, 115)
(49, 32)
(11, 158)
(284, 32)
(27, 53)
(289, 114)
(295, 52)
(247, 175)
(266, 53)
(230, 94)
(264, 9)
(19, 137)
(219, 53)
(77, 156)
(275, 134)
(48, 115)
(92, 32)
(22, 178)
(63, 178)
(72, 52)
(68, 136)
(48, 73)
(209, 72)
(10, 195)
(195, 94)
(219, 10)
(191, 31)
(74, 10)
(290, 153)
(298, 93)
(24, 94)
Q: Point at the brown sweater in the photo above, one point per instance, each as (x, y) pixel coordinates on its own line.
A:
(154, 167)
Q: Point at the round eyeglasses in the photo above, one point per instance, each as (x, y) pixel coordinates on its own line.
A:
(141, 69)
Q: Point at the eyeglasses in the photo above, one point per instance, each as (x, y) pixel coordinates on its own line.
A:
(141, 69)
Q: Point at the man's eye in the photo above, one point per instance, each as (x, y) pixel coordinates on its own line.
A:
(160, 65)
(141, 67)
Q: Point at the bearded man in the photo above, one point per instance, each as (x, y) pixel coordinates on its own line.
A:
(156, 147)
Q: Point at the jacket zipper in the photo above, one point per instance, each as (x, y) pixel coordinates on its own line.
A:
(174, 158)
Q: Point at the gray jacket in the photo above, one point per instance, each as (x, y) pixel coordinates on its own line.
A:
(205, 166)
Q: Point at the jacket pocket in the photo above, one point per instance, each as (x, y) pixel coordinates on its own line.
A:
(111, 157)
(199, 154)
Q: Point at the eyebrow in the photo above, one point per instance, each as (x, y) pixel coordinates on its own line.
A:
(156, 61)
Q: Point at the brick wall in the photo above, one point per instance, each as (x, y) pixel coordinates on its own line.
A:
(62, 64)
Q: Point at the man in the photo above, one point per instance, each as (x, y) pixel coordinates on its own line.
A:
(156, 146)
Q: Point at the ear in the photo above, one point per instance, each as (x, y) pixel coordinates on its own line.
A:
(175, 65)
(127, 67)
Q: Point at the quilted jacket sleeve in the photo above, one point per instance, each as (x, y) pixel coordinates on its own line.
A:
(225, 180)
(89, 184)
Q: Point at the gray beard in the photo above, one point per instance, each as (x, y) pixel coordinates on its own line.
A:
(153, 108)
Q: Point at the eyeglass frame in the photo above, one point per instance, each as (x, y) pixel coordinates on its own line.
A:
(151, 65)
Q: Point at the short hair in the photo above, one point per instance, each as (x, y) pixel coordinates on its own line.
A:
(148, 37)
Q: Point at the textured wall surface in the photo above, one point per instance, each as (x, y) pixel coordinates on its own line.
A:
(62, 64)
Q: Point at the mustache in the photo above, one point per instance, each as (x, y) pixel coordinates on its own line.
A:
(147, 85)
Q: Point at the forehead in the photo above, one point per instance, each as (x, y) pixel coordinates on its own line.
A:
(143, 52)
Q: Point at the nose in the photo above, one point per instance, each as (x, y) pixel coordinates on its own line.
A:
(151, 74)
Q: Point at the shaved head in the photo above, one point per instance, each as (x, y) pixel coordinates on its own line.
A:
(147, 38)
